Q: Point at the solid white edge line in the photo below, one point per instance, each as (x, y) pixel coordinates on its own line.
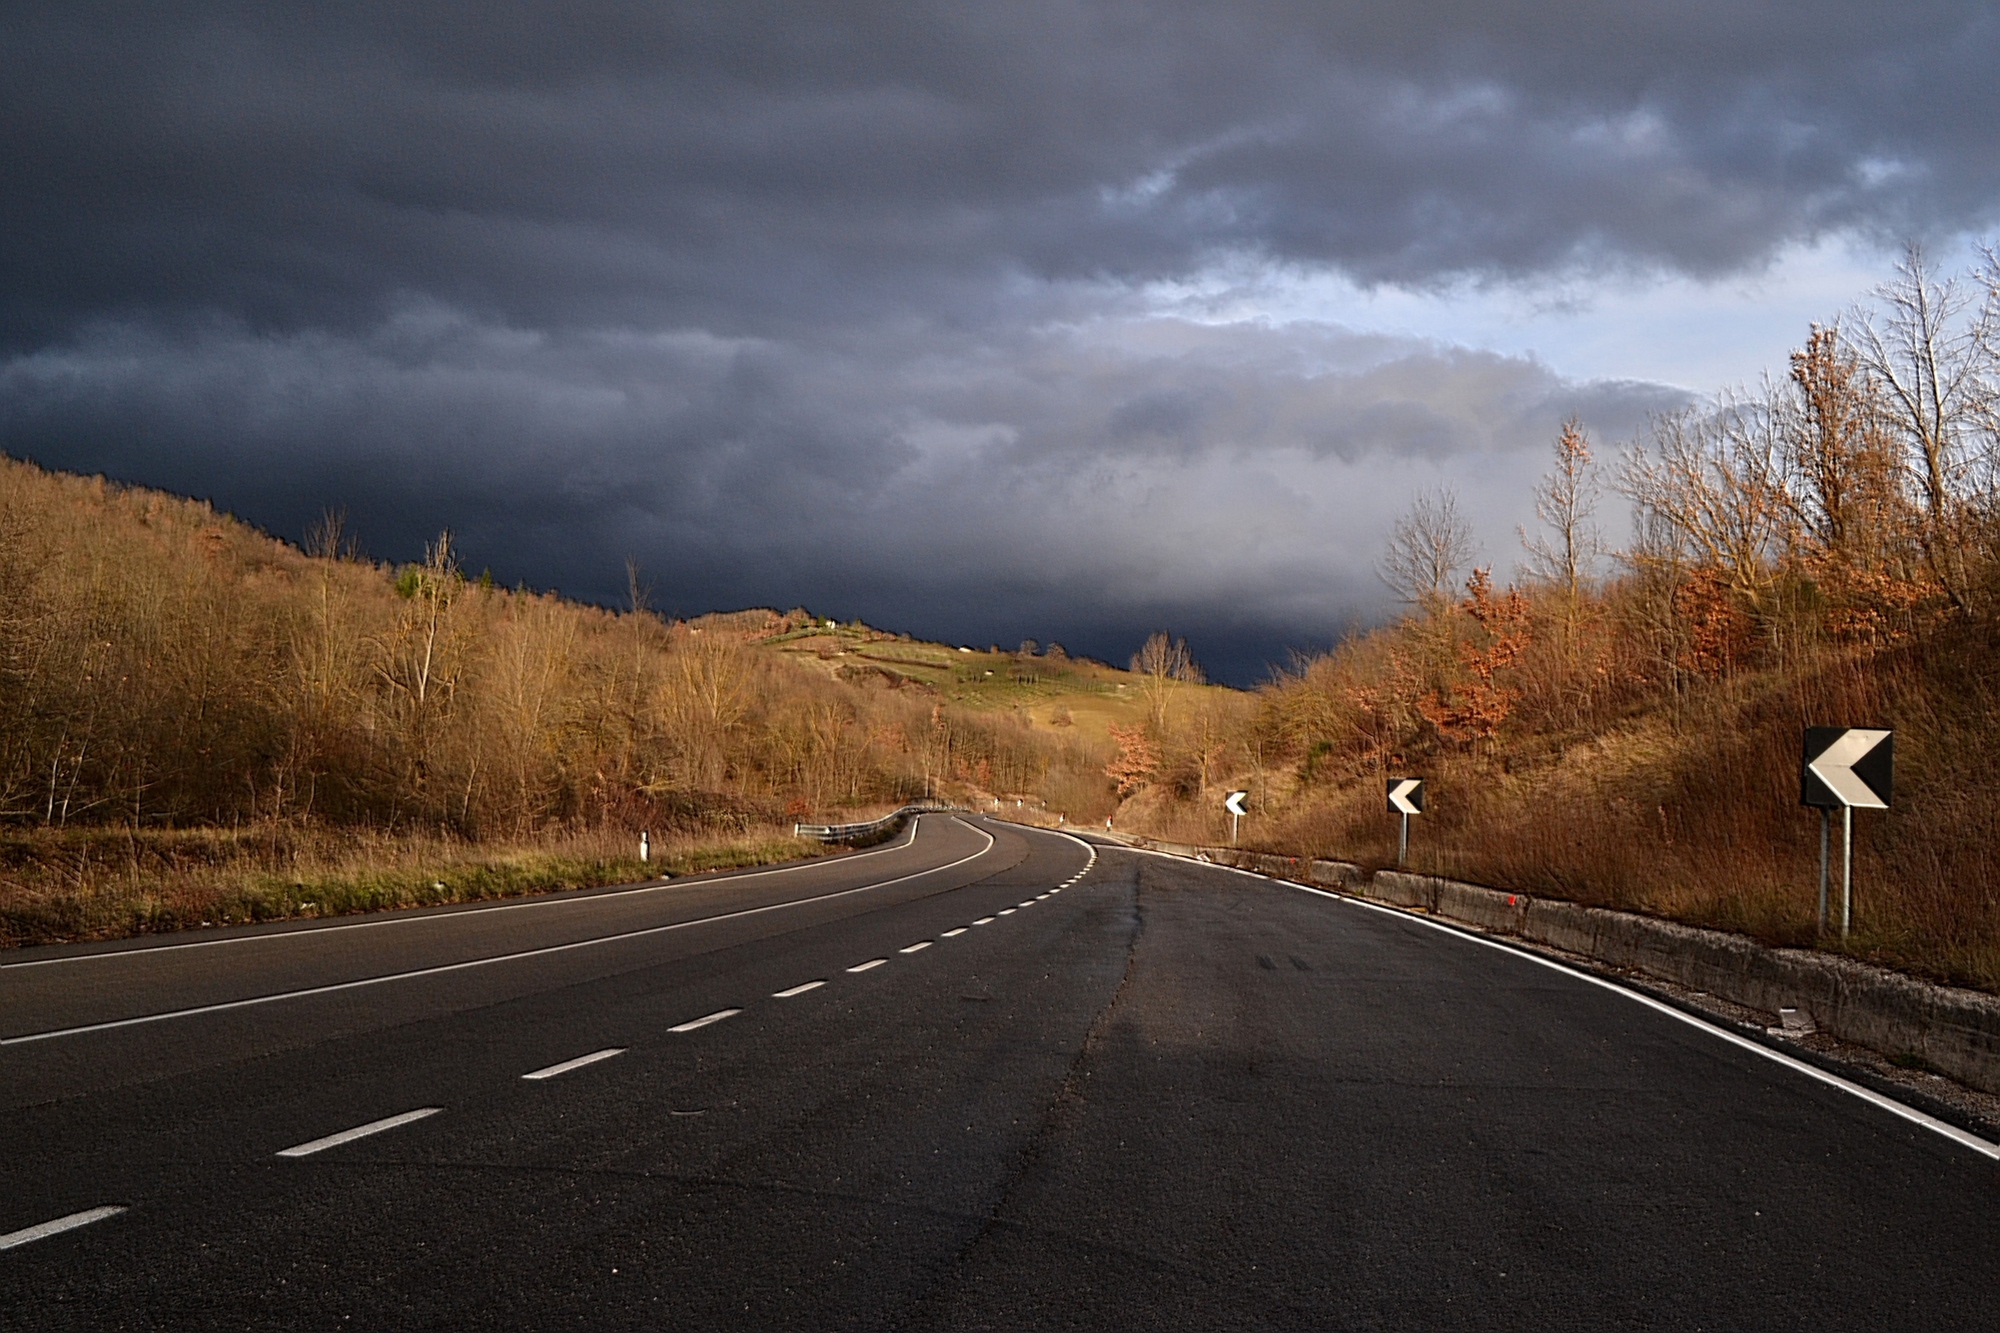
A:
(953, 932)
(467, 911)
(56, 1226)
(497, 958)
(1869, 1095)
(1089, 848)
(577, 1063)
(358, 1132)
(872, 962)
(705, 1020)
(918, 947)
(796, 990)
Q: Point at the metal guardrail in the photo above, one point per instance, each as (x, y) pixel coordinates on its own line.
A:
(848, 832)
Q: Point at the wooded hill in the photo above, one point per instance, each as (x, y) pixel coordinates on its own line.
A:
(182, 693)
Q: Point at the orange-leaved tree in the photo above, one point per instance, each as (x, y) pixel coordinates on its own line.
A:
(1473, 707)
(1137, 760)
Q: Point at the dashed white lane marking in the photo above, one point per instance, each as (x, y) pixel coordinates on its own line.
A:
(1040, 896)
(1007, 911)
(705, 1020)
(796, 990)
(955, 930)
(872, 962)
(1029, 902)
(577, 1063)
(984, 921)
(918, 947)
(443, 968)
(359, 1132)
(56, 1226)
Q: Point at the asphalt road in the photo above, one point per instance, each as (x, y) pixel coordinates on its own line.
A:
(1165, 1096)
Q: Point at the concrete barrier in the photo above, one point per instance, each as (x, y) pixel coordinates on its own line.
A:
(1393, 886)
(1487, 908)
(1336, 874)
(1955, 1031)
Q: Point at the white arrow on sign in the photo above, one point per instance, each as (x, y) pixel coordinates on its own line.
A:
(1835, 767)
(1399, 796)
(1234, 803)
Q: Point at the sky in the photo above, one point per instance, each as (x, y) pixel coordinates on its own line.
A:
(1056, 320)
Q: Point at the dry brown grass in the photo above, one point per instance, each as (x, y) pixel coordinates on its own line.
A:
(83, 883)
(1679, 801)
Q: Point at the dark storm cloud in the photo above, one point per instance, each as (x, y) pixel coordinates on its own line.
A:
(1079, 483)
(743, 162)
(849, 303)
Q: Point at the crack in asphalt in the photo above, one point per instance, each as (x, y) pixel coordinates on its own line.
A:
(1060, 1114)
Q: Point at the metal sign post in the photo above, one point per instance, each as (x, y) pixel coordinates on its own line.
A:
(1845, 767)
(1233, 803)
(1406, 798)
(1825, 835)
(1846, 868)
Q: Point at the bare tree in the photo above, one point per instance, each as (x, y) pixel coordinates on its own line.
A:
(530, 660)
(1565, 500)
(638, 592)
(328, 539)
(420, 661)
(705, 692)
(934, 746)
(1842, 485)
(1163, 663)
(1709, 482)
(1931, 352)
(1427, 548)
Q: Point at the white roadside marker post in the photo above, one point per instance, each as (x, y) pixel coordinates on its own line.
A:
(1406, 798)
(1845, 767)
(645, 845)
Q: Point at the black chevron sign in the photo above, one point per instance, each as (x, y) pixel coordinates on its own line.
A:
(1406, 796)
(1847, 766)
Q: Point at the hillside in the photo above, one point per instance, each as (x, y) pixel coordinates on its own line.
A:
(1680, 800)
(1633, 739)
(199, 721)
(1047, 689)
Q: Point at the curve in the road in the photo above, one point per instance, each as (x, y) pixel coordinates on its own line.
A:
(515, 956)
